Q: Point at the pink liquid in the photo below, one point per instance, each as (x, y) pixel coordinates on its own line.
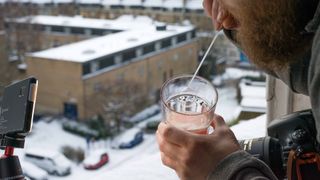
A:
(189, 112)
(200, 131)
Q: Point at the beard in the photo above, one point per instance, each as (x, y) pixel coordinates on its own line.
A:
(270, 32)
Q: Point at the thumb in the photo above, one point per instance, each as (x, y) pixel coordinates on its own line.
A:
(218, 122)
(173, 134)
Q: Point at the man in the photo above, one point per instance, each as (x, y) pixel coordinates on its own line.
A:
(282, 38)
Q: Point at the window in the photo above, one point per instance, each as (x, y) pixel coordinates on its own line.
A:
(148, 48)
(165, 43)
(97, 32)
(106, 62)
(87, 32)
(58, 29)
(182, 37)
(86, 69)
(118, 59)
(77, 31)
(193, 34)
(127, 56)
(94, 66)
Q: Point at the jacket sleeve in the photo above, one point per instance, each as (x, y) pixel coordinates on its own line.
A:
(241, 165)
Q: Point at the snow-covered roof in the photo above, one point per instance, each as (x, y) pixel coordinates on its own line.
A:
(170, 4)
(153, 3)
(131, 2)
(79, 21)
(63, 1)
(254, 105)
(253, 91)
(135, 33)
(111, 2)
(89, 1)
(194, 4)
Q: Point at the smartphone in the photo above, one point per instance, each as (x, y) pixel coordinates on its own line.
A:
(17, 107)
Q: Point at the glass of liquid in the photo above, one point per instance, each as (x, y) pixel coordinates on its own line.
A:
(189, 105)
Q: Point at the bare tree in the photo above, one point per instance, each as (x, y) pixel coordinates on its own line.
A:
(117, 101)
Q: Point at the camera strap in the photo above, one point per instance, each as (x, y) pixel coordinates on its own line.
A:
(303, 166)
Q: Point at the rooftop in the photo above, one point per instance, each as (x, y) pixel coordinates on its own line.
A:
(190, 4)
(125, 22)
(136, 32)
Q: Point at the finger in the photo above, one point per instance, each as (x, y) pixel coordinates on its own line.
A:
(169, 149)
(173, 135)
(214, 9)
(168, 161)
(218, 122)
(207, 5)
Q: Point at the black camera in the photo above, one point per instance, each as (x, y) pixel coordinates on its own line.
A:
(16, 116)
(291, 149)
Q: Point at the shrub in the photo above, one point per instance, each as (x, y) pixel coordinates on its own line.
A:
(79, 129)
(75, 155)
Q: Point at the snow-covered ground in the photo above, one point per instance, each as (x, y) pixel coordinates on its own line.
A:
(140, 163)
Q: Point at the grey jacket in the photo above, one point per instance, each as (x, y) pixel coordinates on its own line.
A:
(302, 77)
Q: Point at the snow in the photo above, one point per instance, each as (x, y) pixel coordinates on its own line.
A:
(253, 91)
(94, 157)
(152, 110)
(194, 4)
(132, 2)
(101, 46)
(236, 73)
(128, 135)
(33, 171)
(111, 2)
(89, 1)
(227, 105)
(253, 97)
(153, 3)
(254, 128)
(140, 163)
(254, 105)
(170, 4)
(63, 1)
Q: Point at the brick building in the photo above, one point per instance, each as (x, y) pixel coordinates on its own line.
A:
(137, 51)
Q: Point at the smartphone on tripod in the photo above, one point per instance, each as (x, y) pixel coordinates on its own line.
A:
(16, 117)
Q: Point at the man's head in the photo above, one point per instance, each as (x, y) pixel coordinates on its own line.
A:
(271, 33)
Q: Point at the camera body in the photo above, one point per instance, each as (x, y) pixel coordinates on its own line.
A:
(291, 149)
(16, 116)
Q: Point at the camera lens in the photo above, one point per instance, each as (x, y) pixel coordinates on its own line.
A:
(268, 150)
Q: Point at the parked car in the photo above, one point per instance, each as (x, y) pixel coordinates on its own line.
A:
(152, 126)
(33, 172)
(51, 161)
(96, 160)
(138, 138)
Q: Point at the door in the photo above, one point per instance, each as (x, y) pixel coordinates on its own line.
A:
(70, 111)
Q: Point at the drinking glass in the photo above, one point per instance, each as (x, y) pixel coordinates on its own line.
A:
(189, 106)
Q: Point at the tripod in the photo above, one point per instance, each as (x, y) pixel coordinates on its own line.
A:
(10, 168)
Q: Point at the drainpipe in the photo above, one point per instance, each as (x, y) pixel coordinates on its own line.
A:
(270, 96)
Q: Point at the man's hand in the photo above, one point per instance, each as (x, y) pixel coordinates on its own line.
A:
(219, 11)
(194, 156)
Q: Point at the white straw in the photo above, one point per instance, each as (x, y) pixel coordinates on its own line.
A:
(204, 57)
